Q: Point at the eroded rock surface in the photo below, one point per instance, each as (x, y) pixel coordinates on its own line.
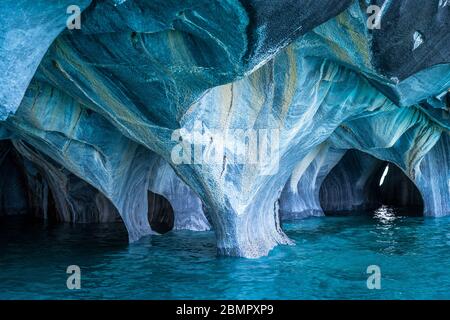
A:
(114, 106)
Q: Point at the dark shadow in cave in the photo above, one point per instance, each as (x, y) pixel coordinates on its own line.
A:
(27, 200)
(25, 191)
(160, 213)
(396, 191)
(360, 184)
(13, 182)
(52, 215)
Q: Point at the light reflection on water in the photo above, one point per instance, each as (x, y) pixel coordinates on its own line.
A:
(329, 261)
(385, 215)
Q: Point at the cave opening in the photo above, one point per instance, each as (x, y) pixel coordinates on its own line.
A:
(14, 199)
(29, 196)
(362, 184)
(25, 191)
(160, 213)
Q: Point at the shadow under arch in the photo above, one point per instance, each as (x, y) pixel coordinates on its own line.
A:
(13, 186)
(361, 184)
(32, 194)
(42, 192)
(160, 213)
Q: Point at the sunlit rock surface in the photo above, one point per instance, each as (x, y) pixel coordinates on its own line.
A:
(114, 106)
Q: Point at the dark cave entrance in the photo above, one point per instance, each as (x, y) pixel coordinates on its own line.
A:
(13, 183)
(389, 186)
(27, 190)
(31, 207)
(160, 213)
(362, 184)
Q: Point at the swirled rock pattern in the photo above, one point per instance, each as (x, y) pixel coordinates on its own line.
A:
(170, 97)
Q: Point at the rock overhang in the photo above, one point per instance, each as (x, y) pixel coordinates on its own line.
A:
(106, 100)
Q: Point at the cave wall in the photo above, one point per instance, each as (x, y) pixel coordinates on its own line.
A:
(160, 213)
(27, 30)
(347, 187)
(142, 79)
(433, 179)
(187, 206)
(60, 196)
(301, 198)
(33, 184)
(404, 137)
(13, 186)
(361, 183)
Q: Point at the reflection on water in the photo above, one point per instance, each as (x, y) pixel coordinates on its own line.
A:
(387, 230)
(385, 215)
(329, 261)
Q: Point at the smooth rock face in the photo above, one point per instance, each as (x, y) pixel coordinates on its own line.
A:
(300, 199)
(433, 179)
(187, 206)
(27, 29)
(113, 107)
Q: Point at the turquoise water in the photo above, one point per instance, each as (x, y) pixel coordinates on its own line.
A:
(328, 262)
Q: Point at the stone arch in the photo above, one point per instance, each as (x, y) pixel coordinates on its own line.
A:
(362, 183)
(186, 205)
(160, 213)
(300, 196)
(39, 187)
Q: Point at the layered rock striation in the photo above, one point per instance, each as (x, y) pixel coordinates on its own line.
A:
(234, 111)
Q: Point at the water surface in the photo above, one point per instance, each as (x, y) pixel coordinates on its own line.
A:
(329, 261)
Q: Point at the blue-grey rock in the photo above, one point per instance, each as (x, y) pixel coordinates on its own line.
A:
(300, 196)
(433, 179)
(57, 195)
(187, 206)
(386, 55)
(361, 183)
(59, 127)
(408, 138)
(27, 29)
(144, 84)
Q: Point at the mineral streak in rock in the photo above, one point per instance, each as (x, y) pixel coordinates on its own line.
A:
(91, 117)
